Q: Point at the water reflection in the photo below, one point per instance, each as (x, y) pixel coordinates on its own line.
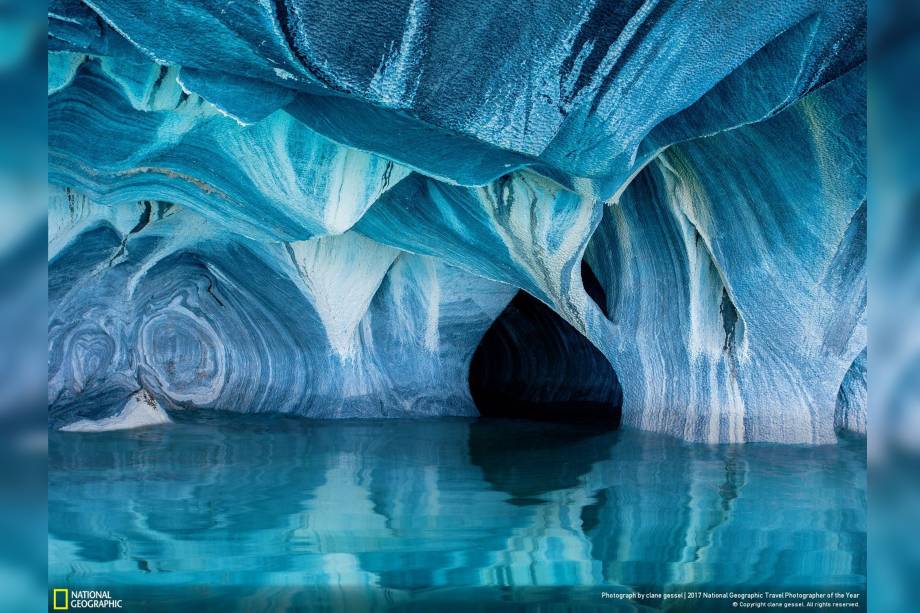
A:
(255, 513)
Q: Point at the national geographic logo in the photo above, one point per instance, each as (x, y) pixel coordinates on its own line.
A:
(64, 599)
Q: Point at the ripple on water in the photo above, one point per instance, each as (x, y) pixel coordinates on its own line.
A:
(272, 512)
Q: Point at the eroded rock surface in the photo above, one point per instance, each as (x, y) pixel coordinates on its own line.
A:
(320, 209)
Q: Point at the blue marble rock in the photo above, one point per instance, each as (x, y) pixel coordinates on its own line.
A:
(120, 136)
(470, 90)
(321, 208)
(155, 297)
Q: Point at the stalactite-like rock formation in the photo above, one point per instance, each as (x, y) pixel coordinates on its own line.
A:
(320, 208)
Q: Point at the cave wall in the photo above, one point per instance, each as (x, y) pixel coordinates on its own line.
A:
(734, 274)
(154, 296)
(301, 208)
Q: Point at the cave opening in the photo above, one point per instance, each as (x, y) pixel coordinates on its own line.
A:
(532, 364)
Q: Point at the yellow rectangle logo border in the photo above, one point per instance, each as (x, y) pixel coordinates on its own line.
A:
(54, 599)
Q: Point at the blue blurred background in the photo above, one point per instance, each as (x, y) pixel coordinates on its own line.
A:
(894, 297)
(23, 291)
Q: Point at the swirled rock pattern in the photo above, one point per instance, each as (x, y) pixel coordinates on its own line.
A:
(154, 296)
(320, 208)
(733, 270)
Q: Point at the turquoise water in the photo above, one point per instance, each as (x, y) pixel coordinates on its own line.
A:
(268, 513)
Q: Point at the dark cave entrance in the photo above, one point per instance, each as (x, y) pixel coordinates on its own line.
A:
(532, 364)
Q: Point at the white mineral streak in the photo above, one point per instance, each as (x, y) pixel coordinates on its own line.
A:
(342, 274)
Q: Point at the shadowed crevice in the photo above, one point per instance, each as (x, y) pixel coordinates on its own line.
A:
(532, 364)
(594, 288)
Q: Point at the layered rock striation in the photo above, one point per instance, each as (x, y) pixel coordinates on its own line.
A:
(321, 209)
